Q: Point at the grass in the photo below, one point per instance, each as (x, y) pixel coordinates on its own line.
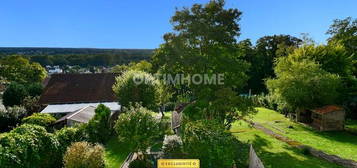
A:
(340, 143)
(115, 153)
(273, 152)
(351, 125)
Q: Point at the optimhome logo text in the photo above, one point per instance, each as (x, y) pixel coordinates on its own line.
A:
(182, 79)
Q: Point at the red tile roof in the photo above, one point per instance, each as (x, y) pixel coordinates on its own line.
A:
(327, 109)
(79, 88)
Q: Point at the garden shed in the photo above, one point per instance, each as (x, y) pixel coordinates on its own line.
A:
(328, 118)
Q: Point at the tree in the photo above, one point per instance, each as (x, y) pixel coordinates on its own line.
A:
(301, 83)
(137, 87)
(14, 94)
(19, 69)
(10, 117)
(208, 141)
(84, 155)
(40, 119)
(34, 89)
(29, 146)
(99, 128)
(204, 42)
(137, 126)
(31, 104)
(267, 49)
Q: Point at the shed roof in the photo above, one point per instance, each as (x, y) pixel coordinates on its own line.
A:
(327, 109)
(83, 115)
(69, 108)
(79, 88)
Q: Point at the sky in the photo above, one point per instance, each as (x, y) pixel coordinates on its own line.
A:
(142, 23)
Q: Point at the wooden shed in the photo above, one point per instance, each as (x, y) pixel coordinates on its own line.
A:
(328, 118)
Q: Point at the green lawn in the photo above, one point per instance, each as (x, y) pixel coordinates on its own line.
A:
(115, 153)
(273, 152)
(351, 125)
(339, 143)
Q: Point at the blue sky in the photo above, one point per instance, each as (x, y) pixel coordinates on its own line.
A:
(141, 23)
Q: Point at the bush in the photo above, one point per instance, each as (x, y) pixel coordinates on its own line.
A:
(34, 89)
(84, 155)
(99, 127)
(10, 117)
(29, 146)
(137, 126)
(145, 92)
(40, 119)
(208, 141)
(172, 147)
(138, 164)
(31, 104)
(14, 94)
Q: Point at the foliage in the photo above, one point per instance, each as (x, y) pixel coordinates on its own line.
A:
(10, 117)
(138, 164)
(29, 146)
(302, 84)
(137, 126)
(31, 104)
(262, 57)
(204, 42)
(208, 141)
(34, 89)
(119, 69)
(137, 87)
(84, 155)
(19, 69)
(99, 127)
(172, 146)
(68, 135)
(14, 94)
(40, 119)
(344, 31)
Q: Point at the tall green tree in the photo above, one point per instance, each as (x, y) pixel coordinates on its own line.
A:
(267, 49)
(99, 128)
(204, 42)
(301, 83)
(137, 87)
(19, 69)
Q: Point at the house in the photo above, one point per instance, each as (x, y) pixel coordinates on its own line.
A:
(328, 118)
(66, 94)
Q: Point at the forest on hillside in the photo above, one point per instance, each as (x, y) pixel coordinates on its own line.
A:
(79, 56)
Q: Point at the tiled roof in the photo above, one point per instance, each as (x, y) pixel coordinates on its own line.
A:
(327, 109)
(79, 88)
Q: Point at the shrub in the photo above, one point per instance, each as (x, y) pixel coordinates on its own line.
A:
(99, 127)
(34, 89)
(29, 146)
(145, 92)
(208, 141)
(172, 146)
(67, 135)
(14, 94)
(138, 164)
(10, 117)
(137, 126)
(31, 104)
(40, 119)
(84, 155)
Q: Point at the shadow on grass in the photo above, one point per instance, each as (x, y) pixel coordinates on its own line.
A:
(278, 156)
(116, 152)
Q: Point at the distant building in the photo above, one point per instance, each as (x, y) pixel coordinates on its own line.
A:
(54, 69)
(76, 94)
